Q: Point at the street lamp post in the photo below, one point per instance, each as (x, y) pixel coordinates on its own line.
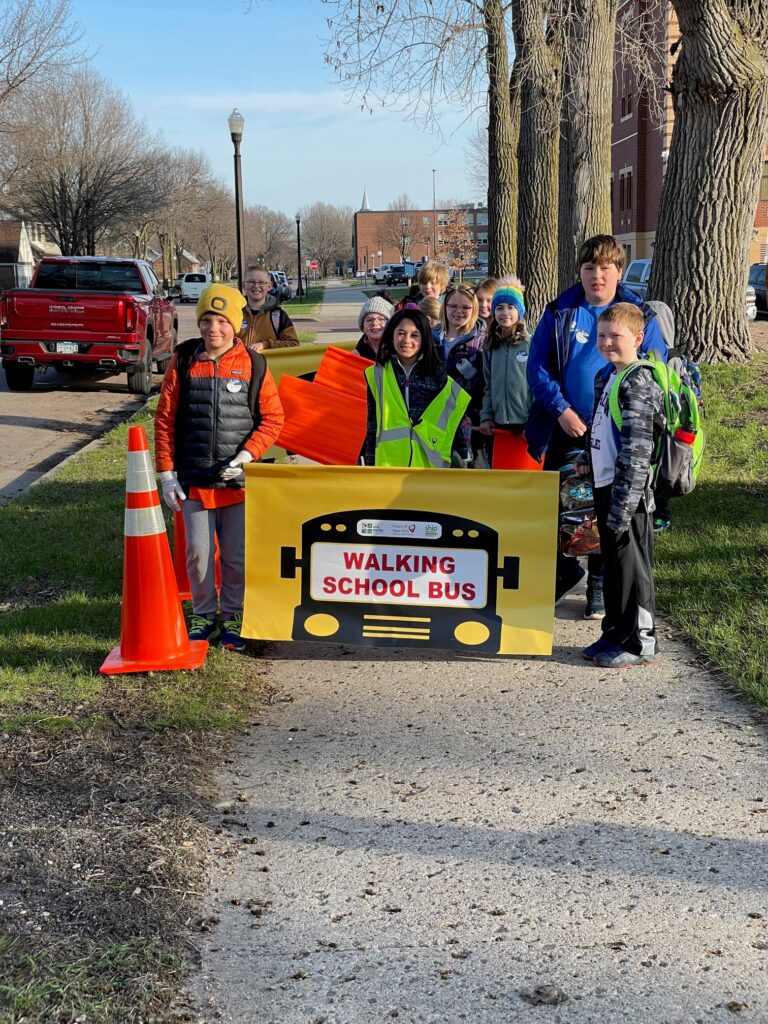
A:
(163, 246)
(236, 123)
(300, 288)
(434, 215)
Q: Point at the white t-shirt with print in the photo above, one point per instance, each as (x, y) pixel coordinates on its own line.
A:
(603, 445)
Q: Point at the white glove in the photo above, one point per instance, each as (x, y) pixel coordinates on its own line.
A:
(173, 495)
(234, 471)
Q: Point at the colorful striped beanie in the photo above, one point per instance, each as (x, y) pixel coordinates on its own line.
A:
(510, 291)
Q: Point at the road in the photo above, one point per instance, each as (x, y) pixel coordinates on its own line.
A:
(59, 415)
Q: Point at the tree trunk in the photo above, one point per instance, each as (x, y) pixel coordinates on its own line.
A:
(585, 152)
(539, 57)
(720, 98)
(503, 129)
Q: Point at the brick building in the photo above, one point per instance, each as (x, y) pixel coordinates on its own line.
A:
(640, 140)
(376, 234)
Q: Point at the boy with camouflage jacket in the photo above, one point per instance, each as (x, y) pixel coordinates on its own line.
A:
(621, 468)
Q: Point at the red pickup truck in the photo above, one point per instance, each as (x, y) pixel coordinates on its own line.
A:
(87, 313)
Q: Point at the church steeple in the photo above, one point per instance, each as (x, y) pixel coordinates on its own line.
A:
(365, 204)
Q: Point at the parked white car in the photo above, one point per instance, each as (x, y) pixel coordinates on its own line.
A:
(381, 273)
(191, 286)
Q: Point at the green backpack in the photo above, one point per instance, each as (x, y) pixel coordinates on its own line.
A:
(680, 446)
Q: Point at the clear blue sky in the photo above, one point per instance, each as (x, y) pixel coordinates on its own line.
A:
(185, 64)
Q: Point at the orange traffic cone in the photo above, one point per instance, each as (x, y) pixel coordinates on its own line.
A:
(180, 558)
(153, 636)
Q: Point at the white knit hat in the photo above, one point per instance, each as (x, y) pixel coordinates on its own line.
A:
(375, 305)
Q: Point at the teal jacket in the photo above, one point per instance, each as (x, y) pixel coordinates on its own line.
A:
(506, 399)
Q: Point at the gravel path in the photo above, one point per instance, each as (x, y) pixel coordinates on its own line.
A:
(429, 838)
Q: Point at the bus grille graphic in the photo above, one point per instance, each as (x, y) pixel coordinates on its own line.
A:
(397, 627)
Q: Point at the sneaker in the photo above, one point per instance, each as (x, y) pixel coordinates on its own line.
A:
(595, 607)
(598, 647)
(661, 523)
(230, 637)
(202, 628)
(617, 657)
(571, 578)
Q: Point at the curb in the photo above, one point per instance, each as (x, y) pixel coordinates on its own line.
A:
(97, 442)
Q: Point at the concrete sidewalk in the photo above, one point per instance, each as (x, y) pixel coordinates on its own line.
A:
(337, 317)
(437, 838)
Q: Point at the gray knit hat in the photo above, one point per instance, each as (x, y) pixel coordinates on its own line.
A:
(375, 305)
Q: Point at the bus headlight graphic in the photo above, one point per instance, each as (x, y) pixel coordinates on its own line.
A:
(472, 633)
(322, 625)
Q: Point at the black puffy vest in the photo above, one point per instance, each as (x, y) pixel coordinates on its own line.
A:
(213, 421)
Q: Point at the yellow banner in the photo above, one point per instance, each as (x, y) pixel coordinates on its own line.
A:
(300, 359)
(363, 555)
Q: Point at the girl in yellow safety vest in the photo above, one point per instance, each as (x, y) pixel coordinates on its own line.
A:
(415, 410)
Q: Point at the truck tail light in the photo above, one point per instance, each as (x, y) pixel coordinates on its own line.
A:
(3, 313)
(130, 316)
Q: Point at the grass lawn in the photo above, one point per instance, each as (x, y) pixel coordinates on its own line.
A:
(101, 779)
(309, 306)
(396, 293)
(712, 566)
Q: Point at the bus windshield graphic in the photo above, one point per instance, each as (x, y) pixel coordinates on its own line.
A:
(411, 578)
(441, 577)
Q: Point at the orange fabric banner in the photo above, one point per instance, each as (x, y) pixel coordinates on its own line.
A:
(321, 424)
(510, 451)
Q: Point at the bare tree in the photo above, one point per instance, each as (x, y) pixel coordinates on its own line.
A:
(270, 237)
(538, 46)
(36, 37)
(326, 232)
(476, 164)
(400, 225)
(720, 99)
(215, 231)
(37, 40)
(589, 28)
(417, 57)
(503, 135)
(86, 164)
(188, 176)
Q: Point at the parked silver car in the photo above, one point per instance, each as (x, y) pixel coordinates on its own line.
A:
(638, 274)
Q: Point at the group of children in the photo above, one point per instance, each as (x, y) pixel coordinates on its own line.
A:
(447, 375)
(481, 341)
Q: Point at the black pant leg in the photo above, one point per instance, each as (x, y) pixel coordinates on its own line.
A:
(628, 587)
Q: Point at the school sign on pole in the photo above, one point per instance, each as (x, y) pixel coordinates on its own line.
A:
(401, 557)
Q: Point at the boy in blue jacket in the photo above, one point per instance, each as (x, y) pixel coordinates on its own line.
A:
(562, 364)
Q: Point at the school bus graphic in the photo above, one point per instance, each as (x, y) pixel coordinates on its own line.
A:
(394, 577)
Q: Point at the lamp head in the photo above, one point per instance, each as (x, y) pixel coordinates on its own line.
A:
(236, 123)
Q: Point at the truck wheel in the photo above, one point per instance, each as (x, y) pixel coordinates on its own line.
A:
(140, 376)
(19, 376)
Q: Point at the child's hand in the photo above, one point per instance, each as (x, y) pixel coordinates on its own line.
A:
(173, 494)
(573, 425)
(235, 471)
(486, 426)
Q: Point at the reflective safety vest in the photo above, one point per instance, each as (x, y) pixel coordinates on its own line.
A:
(399, 442)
